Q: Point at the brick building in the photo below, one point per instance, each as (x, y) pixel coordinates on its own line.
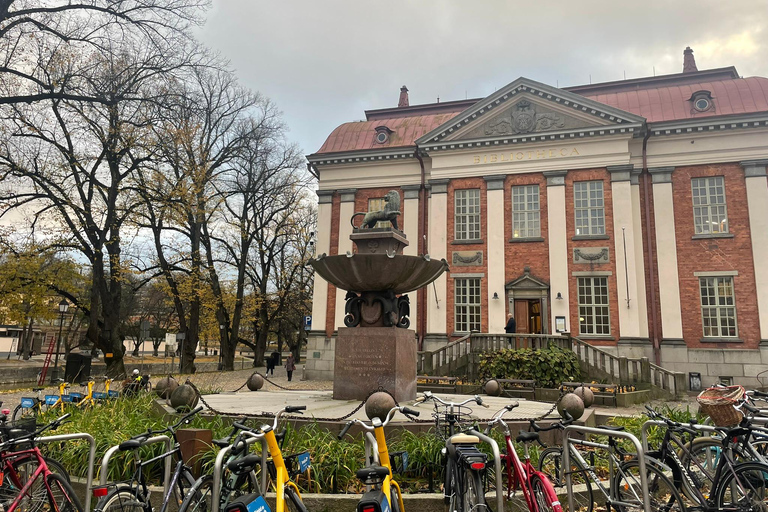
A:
(633, 214)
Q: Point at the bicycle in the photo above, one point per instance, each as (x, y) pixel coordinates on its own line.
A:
(28, 489)
(464, 463)
(237, 479)
(384, 494)
(87, 400)
(134, 495)
(537, 490)
(107, 394)
(35, 406)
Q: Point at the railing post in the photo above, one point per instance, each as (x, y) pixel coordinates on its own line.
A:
(645, 370)
(428, 366)
(680, 387)
(623, 370)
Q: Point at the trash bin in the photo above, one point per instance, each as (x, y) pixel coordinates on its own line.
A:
(78, 367)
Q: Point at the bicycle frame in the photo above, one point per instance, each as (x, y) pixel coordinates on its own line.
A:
(282, 478)
(88, 398)
(383, 450)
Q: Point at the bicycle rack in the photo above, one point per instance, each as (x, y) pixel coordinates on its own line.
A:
(91, 458)
(496, 465)
(648, 424)
(251, 438)
(152, 440)
(566, 464)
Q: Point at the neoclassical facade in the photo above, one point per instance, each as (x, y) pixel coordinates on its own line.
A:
(632, 214)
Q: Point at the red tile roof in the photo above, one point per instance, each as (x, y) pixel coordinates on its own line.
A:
(655, 104)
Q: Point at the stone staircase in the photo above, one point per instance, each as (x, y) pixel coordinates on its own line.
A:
(461, 358)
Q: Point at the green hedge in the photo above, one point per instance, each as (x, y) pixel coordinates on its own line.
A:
(548, 367)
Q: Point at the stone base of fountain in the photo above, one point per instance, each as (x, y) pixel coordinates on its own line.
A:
(373, 357)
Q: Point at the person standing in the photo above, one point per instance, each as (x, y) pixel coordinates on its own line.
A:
(270, 365)
(290, 366)
(511, 325)
(275, 360)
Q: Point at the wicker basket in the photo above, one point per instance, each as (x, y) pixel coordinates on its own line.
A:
(718, 403)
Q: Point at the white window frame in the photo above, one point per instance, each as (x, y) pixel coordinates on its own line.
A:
(526, 211)
(467, 315)
(718, 315)
(589, 208)
(592, 305)
(376, 204)
(710, 212)
(466, 214)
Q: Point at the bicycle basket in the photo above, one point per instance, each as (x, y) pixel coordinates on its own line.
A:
(399, 461)
(16, 429)
(460, 418)
(718, 403)
(295, 464)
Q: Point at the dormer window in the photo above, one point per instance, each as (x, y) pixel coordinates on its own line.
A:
(702, 101)
(382, 134)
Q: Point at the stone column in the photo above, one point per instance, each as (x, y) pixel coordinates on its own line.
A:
(558, 247)
(320, 348)
(624, 238)
(495, 253)
(346, 210)
(666, 254)
(410, 227)
(757, 204)
(637, 221)
(437, 243)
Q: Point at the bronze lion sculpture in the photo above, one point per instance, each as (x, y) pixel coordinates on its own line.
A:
(390, 212)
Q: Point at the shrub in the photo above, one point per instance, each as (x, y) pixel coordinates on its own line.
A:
(548, 367)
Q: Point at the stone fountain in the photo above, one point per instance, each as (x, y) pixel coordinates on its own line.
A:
(376, 348)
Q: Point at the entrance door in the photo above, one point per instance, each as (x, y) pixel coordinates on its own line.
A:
(534, 316)
(521, 316)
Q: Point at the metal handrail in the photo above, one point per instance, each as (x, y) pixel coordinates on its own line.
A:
(566, 464)
(251, 438)
(152, 440)
(91, 458)
(496, 464)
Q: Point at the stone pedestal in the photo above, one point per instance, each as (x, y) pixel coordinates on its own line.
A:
(369, 357)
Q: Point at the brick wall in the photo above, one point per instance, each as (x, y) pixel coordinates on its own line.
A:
(715, 254)
(330, 318)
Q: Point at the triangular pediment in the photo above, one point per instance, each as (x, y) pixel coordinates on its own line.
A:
(527, 282)
(526, 108)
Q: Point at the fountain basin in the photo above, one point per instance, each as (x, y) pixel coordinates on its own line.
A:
(378, 272)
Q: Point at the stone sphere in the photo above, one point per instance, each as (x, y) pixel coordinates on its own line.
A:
(492, 388)
(586, 395)
(571, 403)
(166, 386)
(255, 382)
(184, 397)
(378, 405)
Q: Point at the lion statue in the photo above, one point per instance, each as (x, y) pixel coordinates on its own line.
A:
(390, 212)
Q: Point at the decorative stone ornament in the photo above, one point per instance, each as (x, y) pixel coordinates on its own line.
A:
(586, 395)
(184, 397)
(571, 403)
(166, 386)
(378, 405)
(492, 388)
(255, 382)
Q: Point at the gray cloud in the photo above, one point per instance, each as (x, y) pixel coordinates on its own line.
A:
(325, 61)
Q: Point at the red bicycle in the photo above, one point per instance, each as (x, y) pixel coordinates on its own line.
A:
(538, 491)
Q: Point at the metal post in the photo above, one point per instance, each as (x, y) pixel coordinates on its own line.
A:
(152, 440)
(55, 372)
(497, 467)
(250, 439)
(91, 458)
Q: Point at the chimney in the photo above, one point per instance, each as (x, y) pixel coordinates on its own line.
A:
(689, 64)
(403, 101)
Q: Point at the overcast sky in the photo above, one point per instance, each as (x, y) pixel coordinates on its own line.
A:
(325, 61)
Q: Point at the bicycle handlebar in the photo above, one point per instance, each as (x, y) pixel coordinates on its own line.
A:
(50, 426)
(428, 395)
(390, 415)
(557, 425)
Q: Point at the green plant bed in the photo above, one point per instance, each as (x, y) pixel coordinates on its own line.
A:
(548, 367)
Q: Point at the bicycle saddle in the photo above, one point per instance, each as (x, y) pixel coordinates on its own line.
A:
(37, 389)
(464, 439)
(131, 444)
(221, 443)
(615, 428)
(527, 437)
(371, 473)
(244, 464)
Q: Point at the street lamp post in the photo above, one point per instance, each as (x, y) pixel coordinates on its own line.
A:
(63, 307)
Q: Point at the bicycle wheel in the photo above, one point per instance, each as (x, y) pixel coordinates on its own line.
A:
(61, 496)
(294, 504)
(451, 490)
(701, 462)
(544, 494)
(184, 483)
(662, 494)
(473, 498)
(550, 462)
(20, 413)
(745, 488)
(122, 499)
(198, 499)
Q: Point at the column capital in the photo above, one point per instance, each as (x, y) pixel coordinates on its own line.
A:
(439, 186)
(634, 176)
(410, 191)
(347, 195)
(661, 174)
(620, 172)
(754, 168)
(555, 178)
(324, 196)
(495, 182)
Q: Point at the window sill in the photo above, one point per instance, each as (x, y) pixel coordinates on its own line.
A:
(590, 237)
(597, 337)
(721, 340)
(521, 239)
(467, 242)
(712, 235)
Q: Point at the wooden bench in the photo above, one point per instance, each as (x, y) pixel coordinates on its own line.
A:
(522, 388)
(436, 384)
(606, 393)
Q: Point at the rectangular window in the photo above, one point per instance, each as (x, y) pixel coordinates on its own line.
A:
(467, 214)
(376, 205)
(525, 212)
(589, 207)
(466, 299)
(710, 215)
(593, 306)
(718, 307)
